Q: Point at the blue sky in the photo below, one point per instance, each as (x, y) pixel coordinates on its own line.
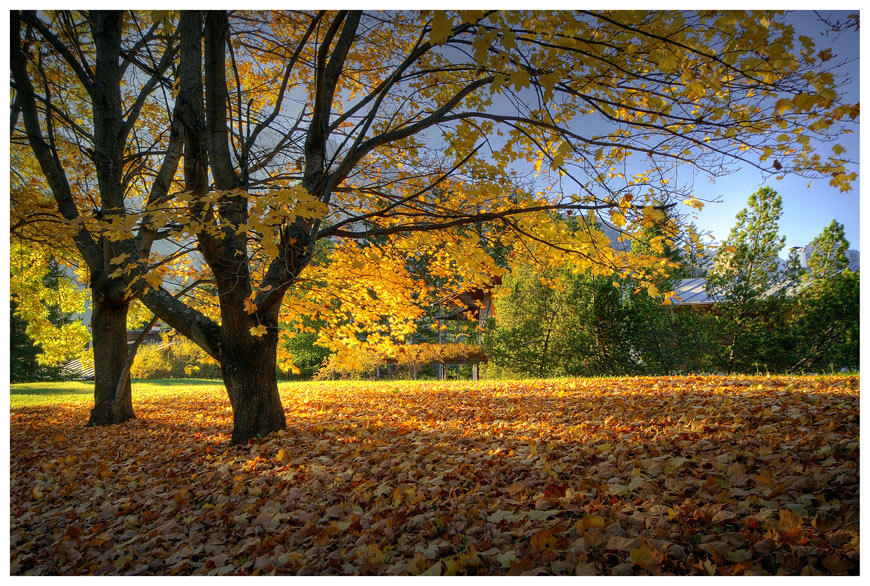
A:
(806, 210)
(808, 207)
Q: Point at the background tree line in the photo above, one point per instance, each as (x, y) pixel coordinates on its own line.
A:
(769, 316)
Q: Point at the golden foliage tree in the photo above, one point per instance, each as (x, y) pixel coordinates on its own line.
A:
(327, 152)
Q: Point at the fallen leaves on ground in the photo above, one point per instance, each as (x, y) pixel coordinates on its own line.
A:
(682, 475)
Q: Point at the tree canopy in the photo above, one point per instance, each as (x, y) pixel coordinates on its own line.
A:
(308, 155)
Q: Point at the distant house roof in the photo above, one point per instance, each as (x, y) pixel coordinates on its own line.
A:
(74, 369)
(470, 301)
(693, 292)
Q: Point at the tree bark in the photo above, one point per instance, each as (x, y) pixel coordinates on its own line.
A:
(109, 328)
(249, 369)
(112, 391)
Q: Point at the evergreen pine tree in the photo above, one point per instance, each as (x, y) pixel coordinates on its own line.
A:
(746, 265)
(827, 315)
(746, 277)
(829, 252)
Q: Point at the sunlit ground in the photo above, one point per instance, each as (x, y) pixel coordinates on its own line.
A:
(683, 475)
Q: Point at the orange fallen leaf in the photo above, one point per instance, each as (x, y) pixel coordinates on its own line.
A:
(545, 539)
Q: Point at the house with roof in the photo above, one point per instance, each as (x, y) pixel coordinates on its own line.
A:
(692, 292)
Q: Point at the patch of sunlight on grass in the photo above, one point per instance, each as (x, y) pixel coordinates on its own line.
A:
(54, 393)
(47, 393)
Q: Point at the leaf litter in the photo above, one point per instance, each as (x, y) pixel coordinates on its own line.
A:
(628, 476)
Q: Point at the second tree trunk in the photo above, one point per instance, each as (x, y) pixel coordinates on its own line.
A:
(109, 331)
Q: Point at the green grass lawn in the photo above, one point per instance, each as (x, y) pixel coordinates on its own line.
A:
(71, 392)
(42, 394)
(55, 393)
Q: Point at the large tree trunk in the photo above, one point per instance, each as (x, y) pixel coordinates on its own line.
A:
(109, 329)
(250, 374)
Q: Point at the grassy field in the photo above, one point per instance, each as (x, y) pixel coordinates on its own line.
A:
(75, 392)
(625, 476)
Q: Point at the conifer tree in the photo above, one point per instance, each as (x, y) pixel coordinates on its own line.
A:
(746, 265)
(827, 322)
(829, 253)
(752, 286)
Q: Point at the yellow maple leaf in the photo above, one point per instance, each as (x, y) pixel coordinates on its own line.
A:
(119, 259)
(590, 521)
(441, 27)
(258, 331)
(154, 280)
(618, 219)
